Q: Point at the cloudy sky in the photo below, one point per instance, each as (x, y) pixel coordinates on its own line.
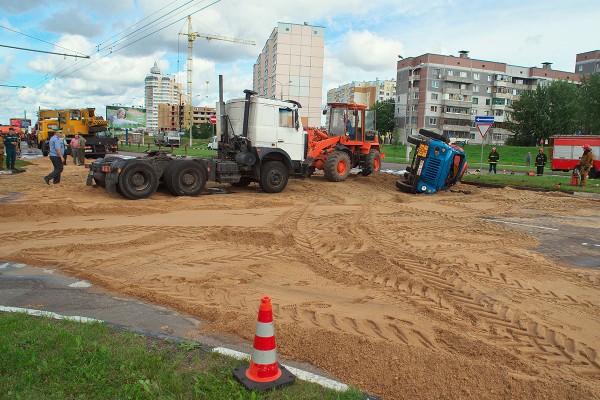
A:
(362, 41)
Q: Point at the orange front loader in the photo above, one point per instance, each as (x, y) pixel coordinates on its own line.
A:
(350, 140)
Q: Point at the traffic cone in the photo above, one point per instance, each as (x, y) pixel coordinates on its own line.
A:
(264, 372)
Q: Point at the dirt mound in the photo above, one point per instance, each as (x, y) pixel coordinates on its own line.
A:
(404, 296)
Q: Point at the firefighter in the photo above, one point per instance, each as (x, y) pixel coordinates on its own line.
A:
(493, 159)
(11, 141)
(540, 162)
(585, 163)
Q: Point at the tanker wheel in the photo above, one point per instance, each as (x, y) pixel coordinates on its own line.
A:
(185, 178)
(337, 166)
(244, 181)
(372, 163)
(273, 177)
(138, 180)
(434, 135)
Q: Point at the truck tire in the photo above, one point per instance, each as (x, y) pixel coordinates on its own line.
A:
(273, 177)
(185, 178)
(244, 181)
(416, 140)
(337, 166)
(404, 187)
(372, 163)
(433, 135)
(138, 180)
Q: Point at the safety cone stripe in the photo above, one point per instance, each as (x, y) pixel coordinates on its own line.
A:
(264, 357)
(264, 343)
(265, 330)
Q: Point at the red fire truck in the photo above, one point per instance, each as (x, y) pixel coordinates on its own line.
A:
(565, 152)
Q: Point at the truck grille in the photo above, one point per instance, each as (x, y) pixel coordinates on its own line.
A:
(430, 173)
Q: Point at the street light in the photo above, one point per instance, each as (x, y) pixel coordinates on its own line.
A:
(411, 80)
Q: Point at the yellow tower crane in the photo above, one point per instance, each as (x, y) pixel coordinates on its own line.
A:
(191, 37)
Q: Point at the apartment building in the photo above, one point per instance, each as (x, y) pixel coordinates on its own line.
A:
(445, 94)
(173, 117)
(588, 63)
(160, 89)
(290, 66)
(366, 93)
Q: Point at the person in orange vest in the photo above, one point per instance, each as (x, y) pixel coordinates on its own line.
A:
(585, 163)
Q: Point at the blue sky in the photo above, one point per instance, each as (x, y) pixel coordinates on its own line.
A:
(362, 41)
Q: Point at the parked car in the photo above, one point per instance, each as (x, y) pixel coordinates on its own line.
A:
(214, 144)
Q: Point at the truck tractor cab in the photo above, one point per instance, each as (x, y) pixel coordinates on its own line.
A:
(436, 164)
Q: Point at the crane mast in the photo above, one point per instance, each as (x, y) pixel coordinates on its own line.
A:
(191, 37)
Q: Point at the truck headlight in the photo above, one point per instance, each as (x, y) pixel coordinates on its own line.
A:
(423, 188)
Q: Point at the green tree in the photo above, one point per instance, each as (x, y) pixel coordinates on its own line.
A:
(590, 104)
(552, 109)
(384, 117)
(202, 131)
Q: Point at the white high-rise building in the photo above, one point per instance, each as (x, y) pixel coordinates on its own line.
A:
(291, 67)
(160, 89)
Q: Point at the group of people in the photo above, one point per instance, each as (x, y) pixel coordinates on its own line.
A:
(58, 154)
(584, 165)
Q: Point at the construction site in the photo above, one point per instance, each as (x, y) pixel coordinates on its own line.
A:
(470, 293)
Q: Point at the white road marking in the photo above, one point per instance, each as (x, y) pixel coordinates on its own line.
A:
(516, 223)
(590, 244)
(40, 313)
(83, 284)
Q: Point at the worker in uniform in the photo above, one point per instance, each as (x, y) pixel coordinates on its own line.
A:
(11, 141)
(493, 159)
(585, 163)
(1, 149)
(540, 162)
(81, 152)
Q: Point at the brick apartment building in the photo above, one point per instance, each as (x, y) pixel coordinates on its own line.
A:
(172, 117)
(445, 93)
(366, 93)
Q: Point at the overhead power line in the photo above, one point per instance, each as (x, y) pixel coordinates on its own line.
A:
(42, 51)
(41, 40)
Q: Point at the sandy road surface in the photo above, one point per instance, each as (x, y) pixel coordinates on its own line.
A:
(403, 296)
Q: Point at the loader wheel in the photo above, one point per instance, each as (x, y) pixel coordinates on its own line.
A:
(337, 166)
(416, 140)
(273, 177)
(244, 181)
(185, 178)
(138, 180)
(433, 135)
(372, 163)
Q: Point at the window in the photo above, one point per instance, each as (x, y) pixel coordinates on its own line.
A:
(416, 95)
(435, 84)
(489, 78)
(476, 77)
(437, 73)
(488, 89)
(434, 96)
(286, 119)
(450, 73)
(488, 102)
(433, 108)
(475, 88)
(463, 74)
(475, 100)
(432, 121)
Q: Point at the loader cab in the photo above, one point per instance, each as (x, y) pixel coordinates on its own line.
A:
(351, 120)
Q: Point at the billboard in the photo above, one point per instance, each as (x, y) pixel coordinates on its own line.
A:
(20, 123)
(126, 117)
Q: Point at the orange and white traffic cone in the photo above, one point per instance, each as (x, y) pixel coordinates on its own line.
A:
(264, 372)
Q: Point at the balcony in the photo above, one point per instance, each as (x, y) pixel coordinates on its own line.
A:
(461, 79)
(466, 92)
(456, 128)
(504, 95)
(463, 117)
(458, 103)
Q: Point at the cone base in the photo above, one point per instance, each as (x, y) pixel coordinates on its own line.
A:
(286, 378)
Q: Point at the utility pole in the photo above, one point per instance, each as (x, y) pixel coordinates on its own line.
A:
(191, 37)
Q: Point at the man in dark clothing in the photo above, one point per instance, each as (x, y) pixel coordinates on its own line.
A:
(11, 141)
(540, 162)
(57, 151)
(493, 159)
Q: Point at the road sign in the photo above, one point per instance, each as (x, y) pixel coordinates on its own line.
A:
(484, 119)
(213, 119)
(483, 129)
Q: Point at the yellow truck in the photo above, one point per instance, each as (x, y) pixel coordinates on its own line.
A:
(71, 122)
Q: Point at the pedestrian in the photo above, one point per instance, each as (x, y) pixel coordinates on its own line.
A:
(1, 149)
(81, 152)
(585, 163)
(11, 141)
(540, 162)
(66, 147)
(57, 150)
(528, 159)
(493, 159)
(75, 149)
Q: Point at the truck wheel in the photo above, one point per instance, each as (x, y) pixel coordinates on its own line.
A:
(100, 182)
(185, 178)
(244, 181)
(433, 135)
(593, 174)
(337, 166)
(138, 180)
(404, 187)
(273, 177)
(372, 163)
(416, 140)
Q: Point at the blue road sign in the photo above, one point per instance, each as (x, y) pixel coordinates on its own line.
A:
(484, 119)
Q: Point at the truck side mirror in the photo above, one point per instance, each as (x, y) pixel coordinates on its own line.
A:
(325, 112)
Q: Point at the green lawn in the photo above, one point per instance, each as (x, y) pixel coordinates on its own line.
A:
(42, 358)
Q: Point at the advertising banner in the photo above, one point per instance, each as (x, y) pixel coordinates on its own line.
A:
(126, 117)
(20, 123)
